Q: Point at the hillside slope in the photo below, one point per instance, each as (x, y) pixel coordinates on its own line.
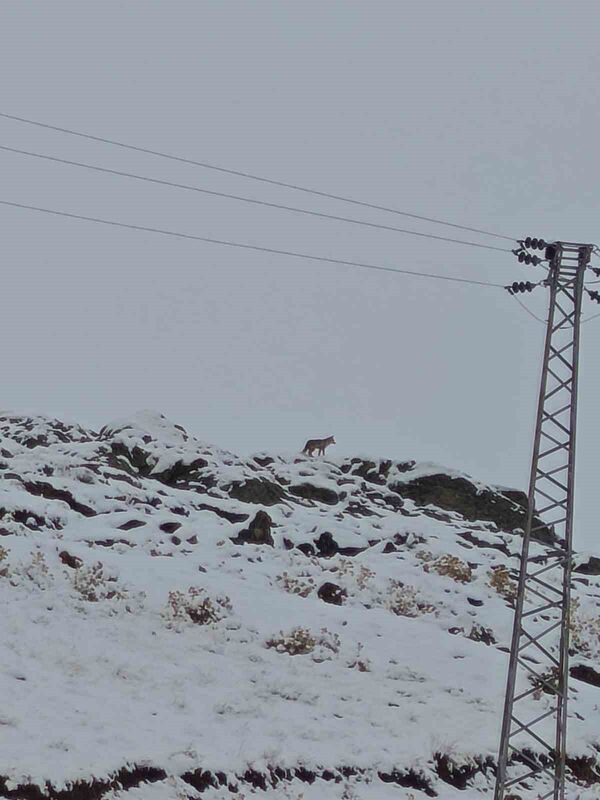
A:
(180, 622)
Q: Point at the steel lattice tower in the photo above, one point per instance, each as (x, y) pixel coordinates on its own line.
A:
(533, 741)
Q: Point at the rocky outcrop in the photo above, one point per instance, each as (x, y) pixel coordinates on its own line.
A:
(258, 532)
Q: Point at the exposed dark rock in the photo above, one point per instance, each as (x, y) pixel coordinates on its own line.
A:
(582, 672)
(135, 459)
(306, 548)
(200, 779)
(264, 461)
(590, 567)
(230, 516)
(394, 501)
(319, 494)
(469, 536)
(176, 540)
(326, 545)
(459, 775)
(126, 778)
(410, 780)
(131, 524)
(49, 492)
(358, 509)
(389, 548)
(474, 602)
(109, 542)
(370, 471)
(179, 472)
(584, 770)
(256, 490)
(182, 512)
(258, 532)
(332, 593)
(170, 527)
(71, 561)
(460, 495)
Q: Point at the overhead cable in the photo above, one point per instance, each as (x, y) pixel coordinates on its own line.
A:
(245, 245)
(254, 201)
(251, 176)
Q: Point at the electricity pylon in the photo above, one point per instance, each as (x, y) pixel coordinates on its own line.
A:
(533, 740)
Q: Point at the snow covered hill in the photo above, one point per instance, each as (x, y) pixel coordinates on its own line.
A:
(180, 622)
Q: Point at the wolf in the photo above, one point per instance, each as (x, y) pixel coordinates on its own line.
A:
(317, 444)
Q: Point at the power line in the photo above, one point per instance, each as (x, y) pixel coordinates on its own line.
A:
(254, 201)
(250, 176)
(246, 246)
(589, 319)
(528, 310)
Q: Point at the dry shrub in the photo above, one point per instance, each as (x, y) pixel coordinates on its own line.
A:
(37, 570)
(296, 585)
(451, 567)
(500, 580)
(424, 555)
(547, 683)
(302, 641)
(584, 631)
(93, 584)
(359, 573)
(404, 601)
(360, 663)
(3, 560)
(195, 606)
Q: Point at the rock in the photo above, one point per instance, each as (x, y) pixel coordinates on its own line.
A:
(50, 492)
(181, 472)
(318, 493)
(70, 561)
(459, 495)
(256, 490)
(131, 524)
(332, 593)
(582, 672)
(326, 545)
(589, 567)
(473, 602)
(170, 527)
(258, 532)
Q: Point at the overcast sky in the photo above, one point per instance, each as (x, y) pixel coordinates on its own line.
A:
(485, 114)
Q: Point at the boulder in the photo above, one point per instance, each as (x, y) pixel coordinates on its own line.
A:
(258, 532)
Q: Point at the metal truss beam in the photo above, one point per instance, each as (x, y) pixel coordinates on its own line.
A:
(533, 739)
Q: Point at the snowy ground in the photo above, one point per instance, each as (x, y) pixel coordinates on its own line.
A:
(107, 668)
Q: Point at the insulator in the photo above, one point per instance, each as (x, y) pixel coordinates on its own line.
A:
(529, 286)
(534, 243)
(541, 244)
(521, 257)
(521, 286)
(528, 241)
(528, 259)
(535, 260)
(515, 287)
(593, 296)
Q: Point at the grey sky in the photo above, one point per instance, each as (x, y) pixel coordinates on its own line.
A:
(481, 113)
